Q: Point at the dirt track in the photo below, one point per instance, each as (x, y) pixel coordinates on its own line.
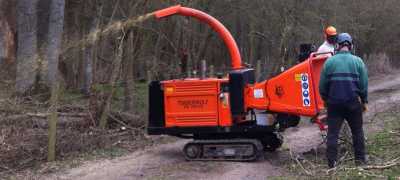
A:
(166, 161)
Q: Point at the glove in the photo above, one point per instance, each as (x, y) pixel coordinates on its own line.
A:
(364, 107)
(325, 105)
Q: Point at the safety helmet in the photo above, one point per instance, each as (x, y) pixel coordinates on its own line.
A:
(330, 31)
(344, 38)
(330, 34)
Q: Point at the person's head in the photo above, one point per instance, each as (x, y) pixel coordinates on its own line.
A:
(344, 42)
(330, 34)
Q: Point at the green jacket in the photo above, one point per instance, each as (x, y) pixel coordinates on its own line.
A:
(344, 78)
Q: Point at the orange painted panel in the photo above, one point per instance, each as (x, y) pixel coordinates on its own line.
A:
(292, 92)
(317, 64)
(195, 103)
(256, 96)
(295, 91)
(225, 117)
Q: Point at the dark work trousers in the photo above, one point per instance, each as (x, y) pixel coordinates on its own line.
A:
(352, 112)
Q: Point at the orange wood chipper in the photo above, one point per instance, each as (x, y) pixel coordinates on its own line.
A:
(233, 118)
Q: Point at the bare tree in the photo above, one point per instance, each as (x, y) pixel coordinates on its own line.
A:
(7, 37)
(54, 38)
(56, 27)
(7, 29)
(27, 45)
(128, 61)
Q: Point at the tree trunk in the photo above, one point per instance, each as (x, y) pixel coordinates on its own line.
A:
(91, 64)
(203, 69)
(7, 38)
(53, 50)
(27, 45)
(258, 71)
(7, 29)
(54, 39)
(53, 119)
(128, 74)
(2, 39)
(113, 81)
(89, 54)
(88, 69)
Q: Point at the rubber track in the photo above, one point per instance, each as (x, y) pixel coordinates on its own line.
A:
(255, 142)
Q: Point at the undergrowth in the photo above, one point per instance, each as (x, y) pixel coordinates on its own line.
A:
(383, 151)
(23, 131)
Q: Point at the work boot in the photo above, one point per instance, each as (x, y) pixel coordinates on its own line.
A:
(331, 164)
(360, 162)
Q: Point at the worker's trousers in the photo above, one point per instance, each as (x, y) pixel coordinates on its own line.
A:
(352, 112)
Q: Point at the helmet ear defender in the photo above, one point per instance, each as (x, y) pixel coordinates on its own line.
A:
(337, 47)
(341, 45)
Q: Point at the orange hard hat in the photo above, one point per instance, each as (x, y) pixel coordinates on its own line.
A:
(330, 31)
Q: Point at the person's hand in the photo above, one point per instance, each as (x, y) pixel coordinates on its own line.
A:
(325, 104)
(364, 107)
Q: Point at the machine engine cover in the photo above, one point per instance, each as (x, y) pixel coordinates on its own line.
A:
(194, 103)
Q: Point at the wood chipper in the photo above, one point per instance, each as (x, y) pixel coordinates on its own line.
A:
(233, 118)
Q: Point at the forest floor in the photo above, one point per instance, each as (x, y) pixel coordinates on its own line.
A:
(164, 160)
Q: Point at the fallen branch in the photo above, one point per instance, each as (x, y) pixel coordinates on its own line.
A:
(300, 164)
(121, 122)
(343, 157)
(45, 115)
(371, 174)
(302, 167)
(127, 115)
(389, 164)
(382, 166)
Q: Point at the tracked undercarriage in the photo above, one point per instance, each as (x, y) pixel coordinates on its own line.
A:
(236, 149)
(223, 149)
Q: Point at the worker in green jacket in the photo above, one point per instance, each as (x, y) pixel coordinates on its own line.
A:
(344, 88)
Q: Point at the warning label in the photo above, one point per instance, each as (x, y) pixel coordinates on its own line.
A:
(297, 77)
(258, 93)
(305, 90)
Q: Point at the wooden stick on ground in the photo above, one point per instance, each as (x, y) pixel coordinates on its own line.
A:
(299, 163)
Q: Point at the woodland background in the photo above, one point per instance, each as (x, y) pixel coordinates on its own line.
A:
(270, 31)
